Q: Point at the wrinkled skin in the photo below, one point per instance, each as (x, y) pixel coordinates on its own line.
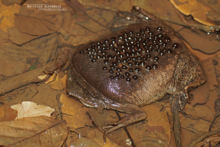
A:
(176, 73)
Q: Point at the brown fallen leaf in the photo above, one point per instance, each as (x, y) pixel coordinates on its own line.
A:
(111, 5)
(11, 2)
(6, 113)
(191, 125)
(19, 37)
(32, 25)
(206, 139)
(213, 140)
(214, 127)
(89, 137)
(33, 131)
(155, 131)
(200, 10)
(207, 45)
(162, 120)
(74, 113)
(85, 142)
(57, 81)
(200, 111)
(203, 57)
(7, 16)
(206, 94)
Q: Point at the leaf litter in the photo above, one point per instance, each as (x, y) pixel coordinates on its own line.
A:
(196, 119)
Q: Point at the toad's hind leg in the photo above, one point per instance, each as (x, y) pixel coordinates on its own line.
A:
(89, 96)
(133, 115)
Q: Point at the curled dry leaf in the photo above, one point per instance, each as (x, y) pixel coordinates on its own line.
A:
(57, 81)
(31, 109)
(42, 77)
(33, 131)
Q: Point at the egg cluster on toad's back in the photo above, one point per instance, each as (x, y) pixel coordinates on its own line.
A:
(131, 53)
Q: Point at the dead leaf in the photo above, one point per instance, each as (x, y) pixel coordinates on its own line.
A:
(13, 65)
(33, 25)
(74, 113)
(57, 81)
(89, 137)
(155, 131)
(6, 113)
(7, 16)
(34, 131)
(187, 136)
(161, 120)
(213, 140)
(31, 109)
(201, 55)
(206, 94)
(207, 44)
(11, 2)
(85, 142)
(200, 111)
(18, 37)
(111, 5)
(192, 128)
(194, 125)
(200, 10)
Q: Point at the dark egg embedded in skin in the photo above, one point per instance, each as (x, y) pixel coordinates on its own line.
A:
(139, 46)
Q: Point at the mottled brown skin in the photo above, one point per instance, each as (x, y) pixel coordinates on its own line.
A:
(178, 71)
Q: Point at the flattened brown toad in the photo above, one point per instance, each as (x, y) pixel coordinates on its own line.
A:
(135, 66)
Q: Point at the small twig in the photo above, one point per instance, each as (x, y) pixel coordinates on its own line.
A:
(204, 136)
(176, 121)
(213, 121)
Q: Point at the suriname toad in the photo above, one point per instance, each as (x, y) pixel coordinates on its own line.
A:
(134, 66)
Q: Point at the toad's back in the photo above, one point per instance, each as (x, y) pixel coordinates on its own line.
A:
(135, 65)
